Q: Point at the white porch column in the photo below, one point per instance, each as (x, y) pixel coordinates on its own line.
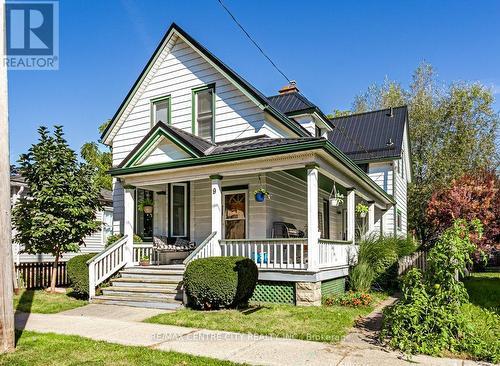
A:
(351, 214)
(128, 224)
(313, 234)
(371, 218)
(216, 209)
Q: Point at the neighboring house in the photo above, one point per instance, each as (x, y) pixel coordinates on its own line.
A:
(198, 140)
(94, 243)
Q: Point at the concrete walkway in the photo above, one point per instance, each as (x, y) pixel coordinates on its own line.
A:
(243, 348)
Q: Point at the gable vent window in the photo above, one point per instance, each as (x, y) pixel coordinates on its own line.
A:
(160, 110)
(203, 108)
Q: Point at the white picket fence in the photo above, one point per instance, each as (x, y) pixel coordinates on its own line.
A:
(416, 260)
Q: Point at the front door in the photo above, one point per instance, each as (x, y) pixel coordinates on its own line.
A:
(235, 223)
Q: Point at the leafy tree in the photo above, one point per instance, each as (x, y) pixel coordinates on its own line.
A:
(473, 196)
(101, 160)
(60, 210)
(452, 131)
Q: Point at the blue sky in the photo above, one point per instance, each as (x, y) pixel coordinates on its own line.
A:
(333, 49)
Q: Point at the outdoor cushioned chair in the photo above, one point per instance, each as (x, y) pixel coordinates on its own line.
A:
(169, 251)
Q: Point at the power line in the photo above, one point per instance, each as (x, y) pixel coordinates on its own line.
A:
(251, 39)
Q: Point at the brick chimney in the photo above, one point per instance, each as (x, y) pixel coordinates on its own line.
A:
(290, 88)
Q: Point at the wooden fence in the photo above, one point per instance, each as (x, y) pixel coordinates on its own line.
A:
(39, 275)
(416, 260)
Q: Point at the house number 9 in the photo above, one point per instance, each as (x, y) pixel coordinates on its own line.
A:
(214, 191)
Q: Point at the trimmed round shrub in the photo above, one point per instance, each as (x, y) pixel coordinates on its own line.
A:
(220, 282)
(78, 273)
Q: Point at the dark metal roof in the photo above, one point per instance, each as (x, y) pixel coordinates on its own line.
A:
(257, 142)
(372, 135)
(291, 102)
(197, 142)
(205, 148)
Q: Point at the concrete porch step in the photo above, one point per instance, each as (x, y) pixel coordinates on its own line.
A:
(152, 275)
(146, 282)
(157, 293)
(142, 302)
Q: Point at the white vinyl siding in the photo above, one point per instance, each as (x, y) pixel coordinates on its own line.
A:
(178, 70)
(382, 174)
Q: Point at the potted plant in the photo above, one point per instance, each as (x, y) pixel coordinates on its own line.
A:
(144, 260)
(361, 209)
(261, 194)
(337, 200)
(146, 205)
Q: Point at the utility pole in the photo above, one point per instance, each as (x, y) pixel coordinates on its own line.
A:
(6, 281)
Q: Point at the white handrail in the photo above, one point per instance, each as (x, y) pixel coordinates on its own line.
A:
(204, 250)
(105, 264)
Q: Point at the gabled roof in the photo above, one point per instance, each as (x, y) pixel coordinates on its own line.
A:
(374, 135)
(197, 147)
(291, 102)
(295, 103)
(193, 145)
(244, 85)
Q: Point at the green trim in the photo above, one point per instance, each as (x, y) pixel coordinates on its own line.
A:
(274, 292)
(153, 139)
(128, 186)
(334, 286)
(194, 91)
(212, 159)
(295, 127)
(248, 154)
(216, 176)
(152, 102)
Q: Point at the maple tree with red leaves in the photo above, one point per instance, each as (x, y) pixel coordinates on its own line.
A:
(475, 195)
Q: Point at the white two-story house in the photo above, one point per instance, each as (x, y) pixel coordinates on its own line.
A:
(197, 140)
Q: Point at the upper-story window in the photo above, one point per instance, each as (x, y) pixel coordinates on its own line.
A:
(204, 112)
(160, 110)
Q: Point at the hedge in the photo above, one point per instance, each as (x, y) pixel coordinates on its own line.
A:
(220, 282)
(78, 273)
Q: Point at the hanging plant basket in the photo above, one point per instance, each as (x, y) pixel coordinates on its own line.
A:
(146, 206)
(362, 210)
(261, 194)
(336, 198)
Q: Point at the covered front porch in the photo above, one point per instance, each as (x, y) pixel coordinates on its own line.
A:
(296, 237)
(220, 215)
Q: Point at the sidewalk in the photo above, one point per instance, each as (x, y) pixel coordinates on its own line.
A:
(256, 350)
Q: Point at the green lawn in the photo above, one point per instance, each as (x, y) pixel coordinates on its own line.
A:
(484, 295)
(39, 301)
(315, 323)
(52, 349)
(484, 290)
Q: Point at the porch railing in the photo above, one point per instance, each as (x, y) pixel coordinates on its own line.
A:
(335, 252)
(145, 249)
(269, 253)
(105, 264)
(207, 248)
